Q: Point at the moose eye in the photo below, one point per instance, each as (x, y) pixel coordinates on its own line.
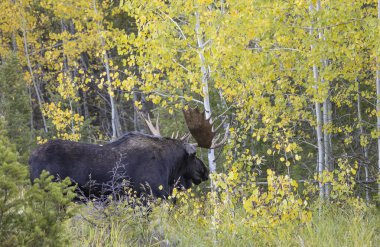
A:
(192, 156)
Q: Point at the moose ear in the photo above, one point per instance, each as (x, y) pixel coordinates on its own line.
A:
(190, 149)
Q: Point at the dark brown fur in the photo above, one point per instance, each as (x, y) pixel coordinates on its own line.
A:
(142, 159)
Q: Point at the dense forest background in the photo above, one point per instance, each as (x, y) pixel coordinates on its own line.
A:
(295, 84)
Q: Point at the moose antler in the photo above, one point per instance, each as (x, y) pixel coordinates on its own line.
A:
(199, 126)
(201, 129)
(154, 130)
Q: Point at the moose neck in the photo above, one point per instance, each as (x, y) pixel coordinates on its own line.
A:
(179, 164)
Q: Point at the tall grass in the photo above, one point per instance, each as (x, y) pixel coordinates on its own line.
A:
(123, 226)
(337, 226)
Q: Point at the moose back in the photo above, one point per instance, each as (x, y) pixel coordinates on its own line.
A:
(146, 161)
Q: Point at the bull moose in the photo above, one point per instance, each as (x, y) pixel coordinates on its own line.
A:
(144, 160)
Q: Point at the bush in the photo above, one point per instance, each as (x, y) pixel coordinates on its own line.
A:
(30, 215)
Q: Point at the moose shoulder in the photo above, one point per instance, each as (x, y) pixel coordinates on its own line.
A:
(157, 163)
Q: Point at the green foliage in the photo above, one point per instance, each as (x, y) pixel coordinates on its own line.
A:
(13, 178)
(47, 206)
(14, 105)
(30, 215)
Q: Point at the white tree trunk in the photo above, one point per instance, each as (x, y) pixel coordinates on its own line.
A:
(207, 108)
(66, 69)
(114, 113)
(365, 149)
(319, 118)
(320, 145)
(205, 76)
(116, 128)
(327, 141)
(39, 98)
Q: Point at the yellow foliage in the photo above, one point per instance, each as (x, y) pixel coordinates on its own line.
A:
(66, 123)
(279, 204)
(341, 182)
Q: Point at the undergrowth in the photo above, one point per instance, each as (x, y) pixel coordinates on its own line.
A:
(330, 225)
(237, 212)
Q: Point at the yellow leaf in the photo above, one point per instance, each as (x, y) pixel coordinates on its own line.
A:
(353, 171)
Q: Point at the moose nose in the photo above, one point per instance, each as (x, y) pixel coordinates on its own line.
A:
(206, 175)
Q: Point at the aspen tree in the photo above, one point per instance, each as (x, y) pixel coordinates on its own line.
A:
(319, 117)
(116, 131)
